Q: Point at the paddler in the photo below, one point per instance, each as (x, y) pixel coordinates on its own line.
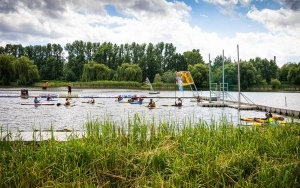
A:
(179, 102)
(120, 98)
(48, 97)
(270, 118)
(151, 103)
(67, 102)
(36, 100)
(92, 100)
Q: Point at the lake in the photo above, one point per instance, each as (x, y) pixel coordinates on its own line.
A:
(17, 117)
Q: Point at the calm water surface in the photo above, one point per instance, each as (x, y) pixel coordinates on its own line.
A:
(14, 116)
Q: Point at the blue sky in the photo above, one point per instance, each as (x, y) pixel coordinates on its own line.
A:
(261, 28)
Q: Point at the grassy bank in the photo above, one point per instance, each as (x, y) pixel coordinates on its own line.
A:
(157, 156)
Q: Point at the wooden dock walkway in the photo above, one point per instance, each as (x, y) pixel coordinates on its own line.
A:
(248, 106)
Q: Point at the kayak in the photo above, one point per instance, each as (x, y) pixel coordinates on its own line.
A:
(88, 102)
(130, 96)
(151, 107)
(43, 95)
(195, 100)
(172, 105)
(37, 103)
(138, 102)
(123, 101)
(259, 124)
(52, 100)
(262, 121)
(60, 104)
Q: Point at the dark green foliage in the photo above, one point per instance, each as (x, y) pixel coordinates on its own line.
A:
(93, 71)
(199, 73)
(7, 69)
(55, 62)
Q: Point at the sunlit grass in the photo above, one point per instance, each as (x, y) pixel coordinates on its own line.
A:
(145, 153)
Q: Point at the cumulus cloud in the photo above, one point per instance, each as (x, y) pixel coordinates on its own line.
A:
(277, 21)
(292, 4)
(229, 3)
(29, 22)
(228, 7)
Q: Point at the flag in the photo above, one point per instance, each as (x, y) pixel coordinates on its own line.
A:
(179, 81)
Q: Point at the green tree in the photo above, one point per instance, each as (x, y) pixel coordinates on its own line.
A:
(284, 71)
(169, 62)
(193, 57)
(231, 73)
(26, 71)
(93, 71)
(218, 62)
(248, 75)
(157, 78)
(7, 69)
(128, 72)
(169, 77)
(294, 75)
(275, 84)
(267, 69)
(16, 50)
(199, 73)
(152, 66)
(76, 60)
(104, 55)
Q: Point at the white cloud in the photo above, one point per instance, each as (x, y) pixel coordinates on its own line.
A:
(225, 3)
(152, 21)
(278, 21)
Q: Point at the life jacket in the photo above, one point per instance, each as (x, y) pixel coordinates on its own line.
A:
(270, 120)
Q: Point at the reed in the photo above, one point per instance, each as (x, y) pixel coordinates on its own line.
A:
(150, 154)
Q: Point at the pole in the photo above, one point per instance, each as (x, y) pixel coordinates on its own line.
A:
(223, 77)
(285, 101)
(239, 81)
(209, 75)
(239, 85)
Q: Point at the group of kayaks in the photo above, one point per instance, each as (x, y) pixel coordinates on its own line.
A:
(48, 102)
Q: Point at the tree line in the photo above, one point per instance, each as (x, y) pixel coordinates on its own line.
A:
(87, 61)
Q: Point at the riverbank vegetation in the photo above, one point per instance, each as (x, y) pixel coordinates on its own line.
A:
(87, 62)
(167, 155)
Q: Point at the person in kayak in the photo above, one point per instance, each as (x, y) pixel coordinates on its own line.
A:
(151, 103)
(120, 98)
(36, 100)
(178, 102)
(92, 100)
(199, 99)
(67, 102)
(140, 99)
(270, 118)
(48, 97)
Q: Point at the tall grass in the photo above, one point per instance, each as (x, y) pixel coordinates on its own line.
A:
(146, 154)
